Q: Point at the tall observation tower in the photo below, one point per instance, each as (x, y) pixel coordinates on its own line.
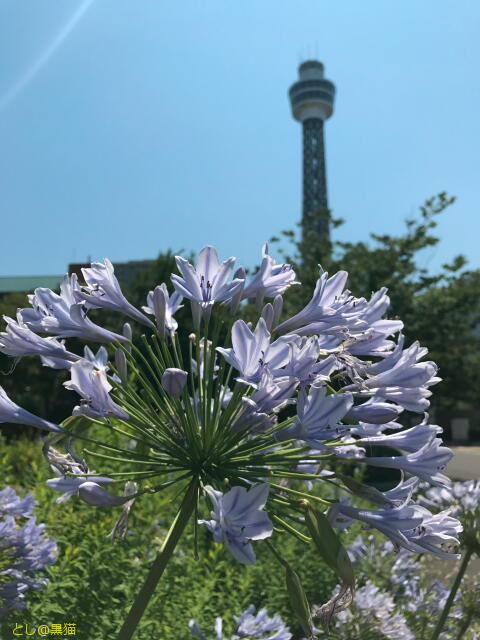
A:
(312, 100)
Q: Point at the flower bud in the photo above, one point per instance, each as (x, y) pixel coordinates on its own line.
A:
(267, 315)
(375, 412)
(173, 381)
(95, 495)
(121, 366)
(159, 306)
(277, 310)
(127, 332)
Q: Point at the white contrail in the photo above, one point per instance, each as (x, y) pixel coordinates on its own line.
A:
(45, 56)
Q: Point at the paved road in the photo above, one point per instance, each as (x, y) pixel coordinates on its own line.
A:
(465, 464)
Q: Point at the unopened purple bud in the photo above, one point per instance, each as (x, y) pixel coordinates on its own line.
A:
(95, 495)
(277, 310)
(159, 306)
(173, 381)
(375, 412)
(121, 366)
(127, 332)
(267, 315)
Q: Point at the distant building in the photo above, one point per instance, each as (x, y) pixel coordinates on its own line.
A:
(126, 273)
(21, 284)
(312, 98)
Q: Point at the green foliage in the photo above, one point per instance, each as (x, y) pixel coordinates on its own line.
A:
(94, 581)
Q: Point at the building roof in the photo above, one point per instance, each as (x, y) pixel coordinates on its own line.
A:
(12, 284)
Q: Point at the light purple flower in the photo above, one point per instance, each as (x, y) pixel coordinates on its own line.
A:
(405, 372)
(415, 399)
(251, 418)
(207, 282)
(270, 280)
(373, 341)
(252, 352)
(426, 463)
(374, 411)
(13, 505)
(303, 362)
(26, 548)
(402, 492)
(19, 340)
(273, 393)
(62, 315)
(410, 440)
(437, 534)
(11, 412)
(93, 387)
(329, 306)
(238, 518)
(96, 496)
(99, 360)
(163, 307)
(373, 610)
(69, 485)
(395, 522)
(103, 292)
(251, 625)
(368, 430)
(260, 626)
(319, 415)
(462, 496)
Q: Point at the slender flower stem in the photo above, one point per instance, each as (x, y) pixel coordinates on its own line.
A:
(453, 593)
(183, 516)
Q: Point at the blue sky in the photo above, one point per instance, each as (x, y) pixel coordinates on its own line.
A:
(165, 124)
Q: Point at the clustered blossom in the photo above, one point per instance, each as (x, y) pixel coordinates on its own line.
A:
(414, 603)
(245, 422)
(256, 626)
(238, 518)
(24, 550)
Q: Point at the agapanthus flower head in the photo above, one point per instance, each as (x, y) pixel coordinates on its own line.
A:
(242, 416)
(249, 624)
(372, 611)
(24, 550)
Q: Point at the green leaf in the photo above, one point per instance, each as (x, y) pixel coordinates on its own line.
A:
(298, 599)
(329, 545)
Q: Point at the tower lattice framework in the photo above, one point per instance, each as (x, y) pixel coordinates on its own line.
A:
(312, 99)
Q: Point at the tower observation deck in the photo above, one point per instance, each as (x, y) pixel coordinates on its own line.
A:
(312, 98)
